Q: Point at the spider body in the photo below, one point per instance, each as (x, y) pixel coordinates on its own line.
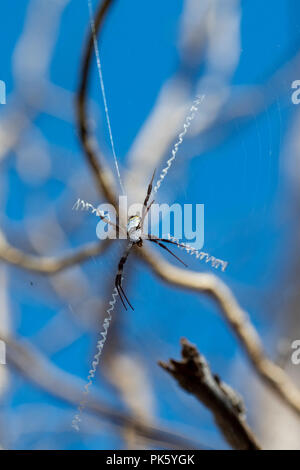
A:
(136, 237)
(134, 230)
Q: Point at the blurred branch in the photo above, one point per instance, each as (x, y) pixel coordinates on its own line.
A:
(103, 177)
(237, 319)
(48, 265)
(208, 41)
(39, 370)
(193, 375)
(30, 76)
(127, 374)
(54, 380)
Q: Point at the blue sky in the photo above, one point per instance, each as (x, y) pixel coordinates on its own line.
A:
(241, 181)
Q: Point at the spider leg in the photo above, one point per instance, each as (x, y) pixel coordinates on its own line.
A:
(120, 295)
(126, 298)
(166, 240)
(82, 205)
(107, 221)
(118, 280)
(145, 212)
(149, 191)
(147, 207)
(167, 249)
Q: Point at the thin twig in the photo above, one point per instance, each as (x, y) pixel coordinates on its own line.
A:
(194, 375)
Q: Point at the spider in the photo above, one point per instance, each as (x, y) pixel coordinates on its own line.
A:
(136, 238)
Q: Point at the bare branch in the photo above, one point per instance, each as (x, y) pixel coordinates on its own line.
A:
(237, 319)
(193, 375)
(39, 370)
(48, 265)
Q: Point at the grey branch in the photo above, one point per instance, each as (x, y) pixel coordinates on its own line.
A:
(49, 265)
(194, 375)
(236, 317)
(40, 371)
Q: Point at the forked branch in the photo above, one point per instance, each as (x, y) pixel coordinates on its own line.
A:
(236, 317)
(194, 375)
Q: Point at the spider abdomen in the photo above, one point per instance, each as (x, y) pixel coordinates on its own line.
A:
(133, 229)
